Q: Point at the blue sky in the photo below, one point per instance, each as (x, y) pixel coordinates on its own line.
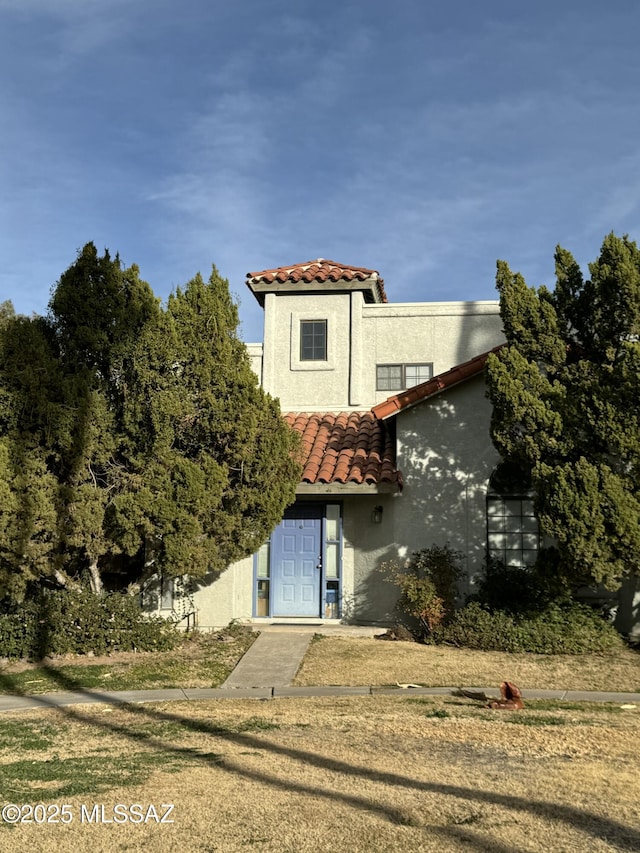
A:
(422, 139)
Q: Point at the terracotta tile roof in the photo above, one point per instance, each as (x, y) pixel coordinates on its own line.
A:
(408, 398)
(349, 447)
(319, 270)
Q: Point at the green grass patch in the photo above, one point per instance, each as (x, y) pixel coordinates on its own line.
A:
(18, 735)
(560, 705)
(537, 712)
(176, 728)
(23, 781)
(521, 718)
(438, 713)
(252, 724)
(166, 745)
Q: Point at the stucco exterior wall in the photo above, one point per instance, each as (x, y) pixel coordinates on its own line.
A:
(359, 337)
(367, 596)
(255, 358)
(443, 334)
(446, 458)
(305, 385)
(228, 597)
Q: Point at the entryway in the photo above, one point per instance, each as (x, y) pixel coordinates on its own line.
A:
(298, 570)
(296, 560)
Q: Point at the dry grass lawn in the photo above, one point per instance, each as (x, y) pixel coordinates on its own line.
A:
(200, 660)
(366, 661)
(358, 774)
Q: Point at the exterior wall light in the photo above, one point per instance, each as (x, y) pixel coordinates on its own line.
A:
(376, 515)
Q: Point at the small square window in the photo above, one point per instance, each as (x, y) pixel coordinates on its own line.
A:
(389, 377)
(415, 374)
(313, 340)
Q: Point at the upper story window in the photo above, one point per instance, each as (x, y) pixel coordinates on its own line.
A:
(396, 377)
(313, 340)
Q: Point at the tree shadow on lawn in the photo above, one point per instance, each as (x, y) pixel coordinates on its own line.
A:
(626, 838)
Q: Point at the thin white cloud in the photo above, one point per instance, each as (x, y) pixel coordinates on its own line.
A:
(426, 150)
(226, 185)
(617, 201)
(78, 28)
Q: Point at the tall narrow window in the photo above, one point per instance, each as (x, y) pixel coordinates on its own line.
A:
(166, 593)
(313, 340)
(512, 527)
(262, 573)
(332, 561)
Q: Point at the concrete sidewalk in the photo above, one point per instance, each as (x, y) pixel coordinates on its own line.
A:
(266, 672)
(134, 697)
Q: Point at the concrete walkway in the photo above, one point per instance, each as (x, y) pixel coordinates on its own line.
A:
(266, 672)
(272, 661)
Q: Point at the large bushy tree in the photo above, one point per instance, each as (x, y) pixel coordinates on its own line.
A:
(133, 432)
(213, 461)
(566, 407)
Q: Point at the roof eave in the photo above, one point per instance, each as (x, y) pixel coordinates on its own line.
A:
(384, 488)
(371, 287)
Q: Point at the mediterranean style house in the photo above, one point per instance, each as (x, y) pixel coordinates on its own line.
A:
(389, 399)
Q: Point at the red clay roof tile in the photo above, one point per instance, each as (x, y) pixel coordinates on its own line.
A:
(350, 447)
(318, 270)
(457, 374)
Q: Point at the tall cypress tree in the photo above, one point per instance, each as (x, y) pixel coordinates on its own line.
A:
(566, 396)
(33, 416)
(98, 310)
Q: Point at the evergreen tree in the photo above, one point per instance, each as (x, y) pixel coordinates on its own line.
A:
(32, 414)
(566, 407)
(214, 461)
(97, 311)
(133, 432)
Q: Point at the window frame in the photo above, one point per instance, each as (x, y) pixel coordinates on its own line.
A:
(331, 538)
(316, 324)
(515, 523)
(402, 366)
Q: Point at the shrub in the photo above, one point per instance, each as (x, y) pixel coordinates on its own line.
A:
(557, 629)
(77, 622)
(16, 633)
(570, 629)
(474, 627)
(428, 584)
(514, 590)
(521, 590)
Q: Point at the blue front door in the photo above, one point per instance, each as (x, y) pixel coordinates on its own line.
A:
(296, 561)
